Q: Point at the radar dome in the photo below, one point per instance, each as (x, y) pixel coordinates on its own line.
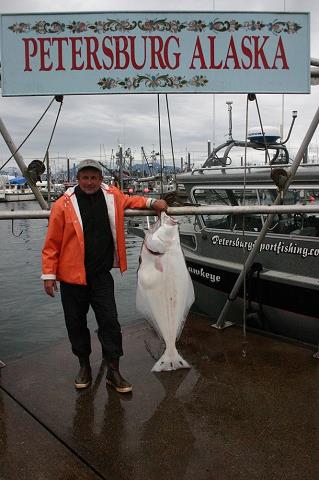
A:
(272, 134)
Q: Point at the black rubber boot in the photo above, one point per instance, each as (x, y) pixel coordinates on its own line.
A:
(115, 379)
(84, 376)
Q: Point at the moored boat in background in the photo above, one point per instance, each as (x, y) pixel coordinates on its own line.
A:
(15, 189)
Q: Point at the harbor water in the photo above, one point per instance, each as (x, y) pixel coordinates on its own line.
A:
(29, 319)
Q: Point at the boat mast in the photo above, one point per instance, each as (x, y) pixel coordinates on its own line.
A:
(48, 177)
(120, 157)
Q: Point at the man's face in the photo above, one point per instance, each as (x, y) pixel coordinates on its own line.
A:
(89, 180)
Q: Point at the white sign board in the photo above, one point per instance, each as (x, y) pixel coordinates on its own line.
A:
(147, 52)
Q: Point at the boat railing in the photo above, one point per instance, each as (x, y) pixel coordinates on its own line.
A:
(184, 210)
(233, 167)
(248, 167)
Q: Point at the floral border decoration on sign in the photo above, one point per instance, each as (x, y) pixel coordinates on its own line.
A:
(152, 81)
(161, 25)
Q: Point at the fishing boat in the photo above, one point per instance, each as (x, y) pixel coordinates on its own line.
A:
(280, 289)
(154, 185)
(55, 191)
(15, 190)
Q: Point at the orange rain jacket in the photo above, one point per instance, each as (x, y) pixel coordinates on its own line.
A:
(63, 251)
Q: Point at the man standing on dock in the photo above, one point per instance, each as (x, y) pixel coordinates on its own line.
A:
(85, 239)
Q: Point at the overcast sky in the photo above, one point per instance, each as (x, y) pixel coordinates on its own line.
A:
(91, 126)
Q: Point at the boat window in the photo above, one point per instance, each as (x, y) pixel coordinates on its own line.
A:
(287, 223)
(212, 197)
(188, 240)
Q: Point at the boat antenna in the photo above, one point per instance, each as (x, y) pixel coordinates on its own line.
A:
(145, 158)
(294, 114)
(230, 120)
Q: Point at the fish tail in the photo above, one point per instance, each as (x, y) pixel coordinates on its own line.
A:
(170, 360)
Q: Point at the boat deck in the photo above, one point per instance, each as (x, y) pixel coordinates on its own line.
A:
(229, 416)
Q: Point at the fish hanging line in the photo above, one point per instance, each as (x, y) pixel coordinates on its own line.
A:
(58, 98)
(160, 139)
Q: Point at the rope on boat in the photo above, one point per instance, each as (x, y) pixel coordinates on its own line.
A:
(250, 98)
(160, 140)
(31, 131)
(253, 97)
(58, 98)
(244, 339)
(170, 136)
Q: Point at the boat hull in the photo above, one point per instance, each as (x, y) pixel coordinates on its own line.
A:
(281, 286)
(271, 306)
(17, 197)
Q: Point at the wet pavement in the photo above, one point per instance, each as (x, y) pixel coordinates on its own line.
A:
(229, 417)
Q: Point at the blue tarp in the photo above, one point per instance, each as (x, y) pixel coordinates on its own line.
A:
(17, 181)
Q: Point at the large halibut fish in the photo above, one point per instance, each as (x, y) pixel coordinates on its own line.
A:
(165, 291)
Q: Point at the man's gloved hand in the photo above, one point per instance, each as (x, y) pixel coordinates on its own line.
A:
(159, 206)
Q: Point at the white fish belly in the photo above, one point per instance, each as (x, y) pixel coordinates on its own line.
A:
(164, 296)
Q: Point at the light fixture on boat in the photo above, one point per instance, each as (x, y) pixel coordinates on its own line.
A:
(294, 114)
(230, 120)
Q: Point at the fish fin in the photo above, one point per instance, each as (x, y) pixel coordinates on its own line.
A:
(170, 361)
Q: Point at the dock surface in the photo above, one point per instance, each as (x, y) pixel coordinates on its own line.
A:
(231, 416)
